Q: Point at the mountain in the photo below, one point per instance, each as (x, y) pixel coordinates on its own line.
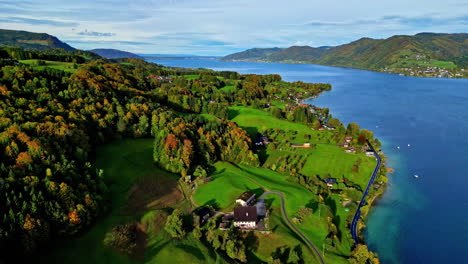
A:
(251, 54)
(115, 54)
(30, 40)
(298, 54)
(422, 52)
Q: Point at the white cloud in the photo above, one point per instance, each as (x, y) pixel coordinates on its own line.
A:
(218, 27)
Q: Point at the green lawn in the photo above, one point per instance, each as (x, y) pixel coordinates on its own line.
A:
(229, 88)
(192, 77)
(254, 121)
(59, 65)
(125, 163)
(328, 159)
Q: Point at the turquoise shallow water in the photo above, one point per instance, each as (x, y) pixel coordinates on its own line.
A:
(418, 220)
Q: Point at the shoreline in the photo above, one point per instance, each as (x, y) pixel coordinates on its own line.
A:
(345, 67)
(371, 199)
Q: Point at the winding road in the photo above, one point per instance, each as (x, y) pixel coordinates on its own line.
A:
(309, 243)
(357, 215)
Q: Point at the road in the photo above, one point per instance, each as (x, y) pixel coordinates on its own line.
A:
(299, 233)
(357, 215)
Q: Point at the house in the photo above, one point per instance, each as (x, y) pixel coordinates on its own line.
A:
(203, 213)
(246, 198)
(369, 153)
(245, 217)
(330, 181)
(348, 139)
(262, 141)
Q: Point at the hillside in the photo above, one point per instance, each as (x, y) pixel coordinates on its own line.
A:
(30, 40)
(115, 54)
(64, 176)
(297, 53)
(251, 54)
(424, 54)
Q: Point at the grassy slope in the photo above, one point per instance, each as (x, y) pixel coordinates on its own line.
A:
(254, 120)
(124, 163)
(296, 197)
(326, 159)
(64, 66)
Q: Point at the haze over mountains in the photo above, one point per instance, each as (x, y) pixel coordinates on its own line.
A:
(367, 53)
(115, 54)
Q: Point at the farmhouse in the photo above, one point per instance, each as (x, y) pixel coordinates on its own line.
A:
(330, 182)
(245, 217)
(246, 198)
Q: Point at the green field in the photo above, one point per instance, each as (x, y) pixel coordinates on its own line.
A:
(326, 159)
(229, 88)
(58, 65)
(129, 169)
(254, 121)
(192, 77)
(332, 160)
(229, 181)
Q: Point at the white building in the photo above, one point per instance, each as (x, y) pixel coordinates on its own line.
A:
(245, 199)
(245, 217)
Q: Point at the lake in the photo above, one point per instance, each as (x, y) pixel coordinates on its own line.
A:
(423, 125)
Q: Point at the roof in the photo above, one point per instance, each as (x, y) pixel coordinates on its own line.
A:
(245, 214)
(245, 196)
(330, 180)
(202, 211)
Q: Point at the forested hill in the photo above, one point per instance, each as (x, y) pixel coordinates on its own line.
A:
(425, 53)
(56, 108)
(115, 54)
(252, 54)
(30, 40)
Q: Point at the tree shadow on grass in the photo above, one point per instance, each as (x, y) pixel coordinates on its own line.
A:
(213, 203)
(196, 252)
(312, 205)
(232, 113)
(154, 250)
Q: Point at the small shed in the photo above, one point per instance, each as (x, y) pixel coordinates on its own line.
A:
(246, 198)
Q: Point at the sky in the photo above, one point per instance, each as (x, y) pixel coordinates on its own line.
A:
(221, 27)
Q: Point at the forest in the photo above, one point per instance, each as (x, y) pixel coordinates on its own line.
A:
(52, 120)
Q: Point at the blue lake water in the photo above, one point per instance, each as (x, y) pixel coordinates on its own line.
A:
(418, 220)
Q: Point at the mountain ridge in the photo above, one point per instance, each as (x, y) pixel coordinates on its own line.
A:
(416, 54)
(31, 40)
(115, 54)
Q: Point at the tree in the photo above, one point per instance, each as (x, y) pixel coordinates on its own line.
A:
(197, 233)
(360, 254)
(175, 225)
(122, 238)
(353, 129)
(361, 139)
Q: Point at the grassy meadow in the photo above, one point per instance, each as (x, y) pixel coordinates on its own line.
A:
(139, 192)
(58, 65)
